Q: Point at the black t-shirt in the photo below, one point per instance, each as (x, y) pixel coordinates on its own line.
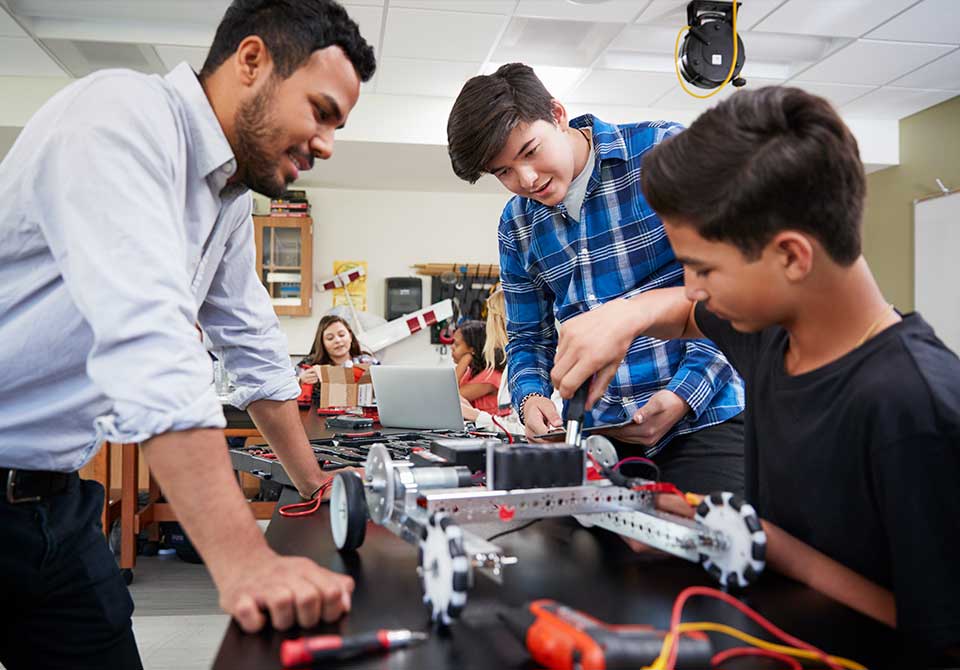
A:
(861, 460)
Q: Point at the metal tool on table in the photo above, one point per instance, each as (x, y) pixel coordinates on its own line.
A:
(311, 651)
(562, 638)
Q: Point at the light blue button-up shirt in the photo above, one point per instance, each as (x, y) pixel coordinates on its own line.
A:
(118, 233)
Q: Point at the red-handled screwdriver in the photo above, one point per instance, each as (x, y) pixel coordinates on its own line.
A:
(308, 650)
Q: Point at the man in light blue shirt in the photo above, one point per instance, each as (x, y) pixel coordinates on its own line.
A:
(126, 222)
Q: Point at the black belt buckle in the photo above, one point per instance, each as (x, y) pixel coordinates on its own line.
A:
(12, 497)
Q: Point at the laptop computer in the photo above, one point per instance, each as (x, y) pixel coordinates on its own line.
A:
(420, 398)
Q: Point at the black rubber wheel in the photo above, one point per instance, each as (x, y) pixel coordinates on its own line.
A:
(127, 575)
(348, 511)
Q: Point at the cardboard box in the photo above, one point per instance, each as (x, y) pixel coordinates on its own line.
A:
(340, 387)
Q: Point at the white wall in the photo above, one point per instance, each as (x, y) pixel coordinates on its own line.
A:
(392, 230)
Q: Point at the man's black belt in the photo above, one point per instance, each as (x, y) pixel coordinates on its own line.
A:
(33, 485)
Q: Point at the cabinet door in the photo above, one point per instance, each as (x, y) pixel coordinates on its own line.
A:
(285, 262)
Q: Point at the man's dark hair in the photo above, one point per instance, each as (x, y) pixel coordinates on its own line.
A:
(292, 31)
(762, 161)
(488, 108)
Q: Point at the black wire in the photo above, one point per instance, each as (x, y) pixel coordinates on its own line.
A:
(513, 530)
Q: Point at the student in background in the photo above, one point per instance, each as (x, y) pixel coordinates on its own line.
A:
(334, 344)
(853, 410)
(478, 377)
(506, 417)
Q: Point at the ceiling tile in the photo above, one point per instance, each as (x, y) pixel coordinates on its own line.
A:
(839, 18)
(930, 21)
(647, 39)
(369, 20)
(477, 6)
(611, 11)
(894, 103)
(943, 73)
(401, 76)
(674, 12)
(618, 87)
(872, 62)
(553, 42)
(193, 11)
(23, 58)
(837, 94)
(173, 56)
(9, 27)
(414, 33)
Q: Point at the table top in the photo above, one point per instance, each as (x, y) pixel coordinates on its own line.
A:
(588, 569)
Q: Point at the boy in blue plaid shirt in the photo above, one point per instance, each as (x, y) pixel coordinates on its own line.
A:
(577, 235)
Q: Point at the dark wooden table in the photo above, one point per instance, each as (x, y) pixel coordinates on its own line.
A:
(588, 569)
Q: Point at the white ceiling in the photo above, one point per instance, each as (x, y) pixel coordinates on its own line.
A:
(612, 52)
(874, 59)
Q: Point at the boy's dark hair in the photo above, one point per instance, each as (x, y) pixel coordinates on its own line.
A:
(488, 108)
(474, 334)
(292, 31)
(762, 161)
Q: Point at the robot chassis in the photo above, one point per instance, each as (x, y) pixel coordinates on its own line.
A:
(425, 505)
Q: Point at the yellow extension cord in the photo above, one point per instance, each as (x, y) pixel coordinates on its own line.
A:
(708, 626)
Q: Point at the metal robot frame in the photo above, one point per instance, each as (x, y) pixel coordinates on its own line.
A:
(426, 506)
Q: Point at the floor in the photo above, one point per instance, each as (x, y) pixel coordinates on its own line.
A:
(176, 620)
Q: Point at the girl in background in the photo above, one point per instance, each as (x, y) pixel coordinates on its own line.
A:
(477, 376)
(496, 341)
(334, 344)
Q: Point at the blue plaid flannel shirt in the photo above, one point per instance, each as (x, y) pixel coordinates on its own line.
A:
(554, 268)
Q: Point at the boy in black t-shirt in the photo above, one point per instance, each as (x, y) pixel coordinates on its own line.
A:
(853, 411)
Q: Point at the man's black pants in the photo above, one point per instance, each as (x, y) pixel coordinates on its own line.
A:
(63, 602)
(708, 460)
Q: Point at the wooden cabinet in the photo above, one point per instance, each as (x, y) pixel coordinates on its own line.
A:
(285, 262)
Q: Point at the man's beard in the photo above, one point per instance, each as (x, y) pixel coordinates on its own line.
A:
(259, 172)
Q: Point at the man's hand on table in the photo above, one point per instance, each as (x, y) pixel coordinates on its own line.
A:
(294, 590)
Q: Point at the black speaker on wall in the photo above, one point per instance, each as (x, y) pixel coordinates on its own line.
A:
(404, 295)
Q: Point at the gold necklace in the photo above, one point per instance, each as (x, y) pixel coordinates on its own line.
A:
(873, 326)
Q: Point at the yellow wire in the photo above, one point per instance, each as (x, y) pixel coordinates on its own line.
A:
(660, 662)
(733, 64)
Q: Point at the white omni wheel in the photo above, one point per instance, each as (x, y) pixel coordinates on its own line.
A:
(444, 570)
(742, 560)
(348, 511)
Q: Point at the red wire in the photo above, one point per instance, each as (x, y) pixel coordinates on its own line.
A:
(499, 425)
(308, 507)
(633, 459)
(739, 652)
(733, 602)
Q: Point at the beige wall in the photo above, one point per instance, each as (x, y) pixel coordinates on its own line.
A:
(929, 149)
(392, 230)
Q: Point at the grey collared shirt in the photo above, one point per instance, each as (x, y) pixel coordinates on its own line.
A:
(118, 233)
